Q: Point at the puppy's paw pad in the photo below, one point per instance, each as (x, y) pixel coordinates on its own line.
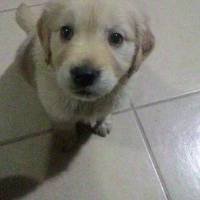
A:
(104, 129)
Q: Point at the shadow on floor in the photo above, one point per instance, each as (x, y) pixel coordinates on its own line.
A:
(13, 187)
(20, 114)
(60, 158)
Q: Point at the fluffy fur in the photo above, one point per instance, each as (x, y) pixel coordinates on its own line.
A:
(45, 59)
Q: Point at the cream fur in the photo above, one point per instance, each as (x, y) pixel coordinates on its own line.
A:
(51, 58)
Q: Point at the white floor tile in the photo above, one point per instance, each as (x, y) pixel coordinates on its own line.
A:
(173, 130)
(173, 68)
(112, 168)
(10, 4)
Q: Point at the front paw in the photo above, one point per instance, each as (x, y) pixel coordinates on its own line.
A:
(103, 129)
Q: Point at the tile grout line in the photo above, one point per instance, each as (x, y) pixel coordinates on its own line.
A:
(132, 108)
(167, 100)
(45, 132)
(122, 111)
(26, 137)
(152, 156)
(13, 9)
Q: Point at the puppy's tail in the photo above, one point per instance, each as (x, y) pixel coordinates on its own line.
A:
(25, 18)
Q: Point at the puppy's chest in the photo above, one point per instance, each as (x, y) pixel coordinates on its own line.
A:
(92, 110)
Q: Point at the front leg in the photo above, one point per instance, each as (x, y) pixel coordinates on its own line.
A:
(103, 127)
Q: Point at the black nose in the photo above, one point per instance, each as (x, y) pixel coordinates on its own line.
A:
(84, 76)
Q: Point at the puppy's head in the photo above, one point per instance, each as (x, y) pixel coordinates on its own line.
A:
(91, 45)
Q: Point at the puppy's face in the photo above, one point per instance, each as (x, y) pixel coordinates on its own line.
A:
(91, 44)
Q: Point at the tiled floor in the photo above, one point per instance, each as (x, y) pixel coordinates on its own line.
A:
(153, 152)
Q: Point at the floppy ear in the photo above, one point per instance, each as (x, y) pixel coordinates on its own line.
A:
(144, 46)
(147, 40)
(44, 35)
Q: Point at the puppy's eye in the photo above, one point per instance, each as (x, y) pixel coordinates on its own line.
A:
(67, 32)
(116, 39)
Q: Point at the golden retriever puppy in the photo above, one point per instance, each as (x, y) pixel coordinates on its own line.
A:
(80, 55)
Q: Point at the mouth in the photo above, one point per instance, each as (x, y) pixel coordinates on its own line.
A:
(85, 94)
